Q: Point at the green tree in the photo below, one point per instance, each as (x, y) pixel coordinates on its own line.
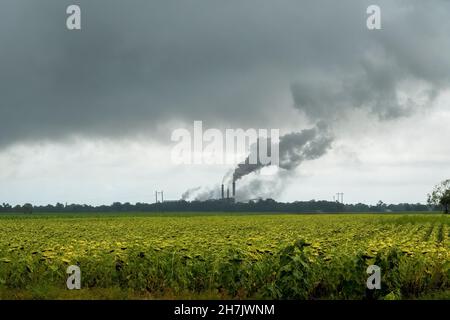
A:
(440, 196)
(27, 208)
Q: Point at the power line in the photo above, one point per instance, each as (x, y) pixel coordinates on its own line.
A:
(339, 197)
(159, 193)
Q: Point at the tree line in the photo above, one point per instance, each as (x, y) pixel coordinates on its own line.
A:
(225, 205)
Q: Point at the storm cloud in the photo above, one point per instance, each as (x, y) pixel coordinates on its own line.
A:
(142, 67)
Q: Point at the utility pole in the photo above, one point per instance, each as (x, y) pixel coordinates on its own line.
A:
(162, 195)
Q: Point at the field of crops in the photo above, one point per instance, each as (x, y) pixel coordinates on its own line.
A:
(225, 256)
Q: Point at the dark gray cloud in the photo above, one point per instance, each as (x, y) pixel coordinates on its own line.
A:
(394, 72)
(136, 66)
(381, 88)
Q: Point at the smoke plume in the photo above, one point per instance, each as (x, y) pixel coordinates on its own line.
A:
(294, 148)
(188, 193)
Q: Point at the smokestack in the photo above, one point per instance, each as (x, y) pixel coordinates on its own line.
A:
(234, 189)
(223, 191)
(228, 193)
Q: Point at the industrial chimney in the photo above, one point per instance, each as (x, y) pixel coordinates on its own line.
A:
(234, 189)
(228, 193)
(223, 191)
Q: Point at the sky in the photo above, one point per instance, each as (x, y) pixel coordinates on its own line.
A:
(86, 116)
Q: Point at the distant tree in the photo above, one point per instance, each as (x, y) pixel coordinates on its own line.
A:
(381, 206)
(27, 208)
(117, 206)
(59, 207)
(440, 196)
(6, 207)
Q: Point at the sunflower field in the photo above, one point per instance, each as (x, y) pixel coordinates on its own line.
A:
(220, 256)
